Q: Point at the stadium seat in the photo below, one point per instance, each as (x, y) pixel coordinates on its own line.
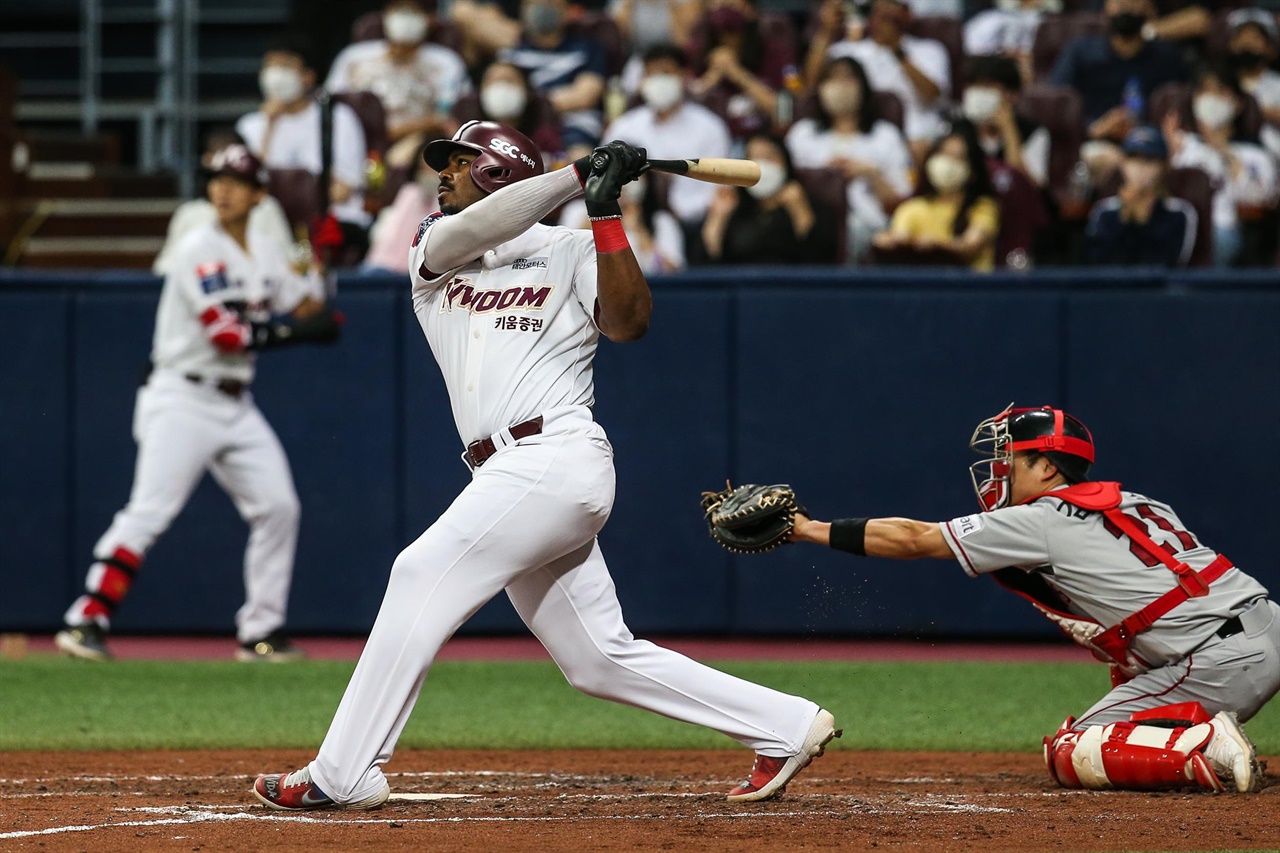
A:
(1055, 32)
(949, 31)
(368, 27)
(1194, 186)
(828, 190)
(298, 192)
(1022, 211)
(776, 28)
(1177, 97)
(373, 118)
(1059, 110)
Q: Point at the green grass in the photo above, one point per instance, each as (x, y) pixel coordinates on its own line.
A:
(49, 702)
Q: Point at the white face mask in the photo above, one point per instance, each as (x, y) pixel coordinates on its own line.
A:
(772, 178)
(502, 100)
(1141, 174)
(1213, 111)
(981, 103)
(662, 91)
(839, 97)
(404, 27)
(279, 83)
(946, 173)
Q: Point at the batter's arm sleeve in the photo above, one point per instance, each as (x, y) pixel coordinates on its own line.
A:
(454, 240)
(1014, 537)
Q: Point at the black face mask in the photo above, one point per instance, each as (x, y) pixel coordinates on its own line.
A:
(1247, 60)
(1127, 24)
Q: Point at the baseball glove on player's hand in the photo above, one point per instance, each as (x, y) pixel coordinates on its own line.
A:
(611, 166)
(751, 519)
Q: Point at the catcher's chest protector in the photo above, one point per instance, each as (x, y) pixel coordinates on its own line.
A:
(1105, 497)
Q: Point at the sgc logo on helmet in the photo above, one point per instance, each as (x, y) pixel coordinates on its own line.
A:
(504, 147)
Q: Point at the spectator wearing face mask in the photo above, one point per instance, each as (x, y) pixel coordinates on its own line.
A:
(1008, 30)
(655, 235)
(848, 134)
(1242, 171)
(1177, 20)
(506, 96)
(568, 69)
(739, 66)
(917, 70)
(649, 23)
(1141, 224)
(668, 125)
(1005, 136)
(955, 211)
(1115, 75)
(416, 82)
(1251, 50)
(285, 133)
(773, 222)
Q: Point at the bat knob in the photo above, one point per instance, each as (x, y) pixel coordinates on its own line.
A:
(599, 162)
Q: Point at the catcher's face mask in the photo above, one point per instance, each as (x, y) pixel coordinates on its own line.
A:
(990, 475)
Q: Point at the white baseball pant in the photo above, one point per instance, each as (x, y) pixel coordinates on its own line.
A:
(1239, 673)
(527, 523)
(182, 430)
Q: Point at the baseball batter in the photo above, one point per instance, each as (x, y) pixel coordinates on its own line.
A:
(1193, 642)
(227, 295)
(513, 311)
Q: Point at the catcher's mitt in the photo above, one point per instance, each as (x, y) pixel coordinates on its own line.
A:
(751, 519)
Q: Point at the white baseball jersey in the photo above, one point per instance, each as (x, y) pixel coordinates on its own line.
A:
(210, 269)
(514, 331)
(1096, 569)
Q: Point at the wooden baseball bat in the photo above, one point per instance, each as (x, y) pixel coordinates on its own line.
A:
(714, 170)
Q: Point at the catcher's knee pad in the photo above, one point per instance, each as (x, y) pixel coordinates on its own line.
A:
(1131, 755)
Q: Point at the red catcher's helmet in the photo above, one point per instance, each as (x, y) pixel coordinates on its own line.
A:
(503, 155)
(1064, 440)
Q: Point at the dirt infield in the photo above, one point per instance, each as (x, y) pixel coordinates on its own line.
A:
(619, 800)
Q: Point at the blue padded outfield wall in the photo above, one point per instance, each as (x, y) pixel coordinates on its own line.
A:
(860, 388)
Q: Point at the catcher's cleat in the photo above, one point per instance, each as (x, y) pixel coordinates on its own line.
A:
(769, 776)
(273, 648)
(1232, 755)
(296, 792)
(87, 641)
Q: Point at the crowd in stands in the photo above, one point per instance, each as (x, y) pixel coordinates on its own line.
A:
(990, 134)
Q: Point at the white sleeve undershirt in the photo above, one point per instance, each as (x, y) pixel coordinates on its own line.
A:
(506, 214)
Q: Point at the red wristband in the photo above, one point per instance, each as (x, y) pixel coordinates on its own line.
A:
(609, 235)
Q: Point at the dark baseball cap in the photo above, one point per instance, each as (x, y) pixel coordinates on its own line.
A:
(237, 161)
(1146, 142)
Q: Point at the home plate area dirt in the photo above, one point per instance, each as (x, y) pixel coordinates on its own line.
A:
(608, 800)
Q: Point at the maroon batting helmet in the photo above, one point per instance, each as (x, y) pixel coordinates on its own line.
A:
(238, 162)
(503, 155)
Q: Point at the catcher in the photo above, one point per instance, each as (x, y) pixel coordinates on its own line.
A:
(1193, 642)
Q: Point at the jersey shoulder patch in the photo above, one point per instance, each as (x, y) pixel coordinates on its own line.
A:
(424, 225)
(213, 276)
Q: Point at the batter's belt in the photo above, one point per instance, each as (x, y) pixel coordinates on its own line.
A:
(233, 388)
(481, 449)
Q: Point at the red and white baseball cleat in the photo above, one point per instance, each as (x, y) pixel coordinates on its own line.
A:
(769, 776)
(1232, 755)
(296, 792)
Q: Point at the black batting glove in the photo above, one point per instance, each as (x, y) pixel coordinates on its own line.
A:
(611, 166)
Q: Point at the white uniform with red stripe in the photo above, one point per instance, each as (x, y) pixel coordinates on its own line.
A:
(1220, 650)
(185, 425)
(514, 332)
